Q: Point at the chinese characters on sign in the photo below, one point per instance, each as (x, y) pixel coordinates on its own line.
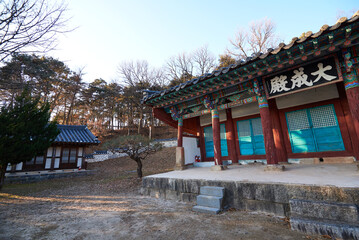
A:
(311, 75)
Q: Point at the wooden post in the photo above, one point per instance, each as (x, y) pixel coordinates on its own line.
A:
(352, 91)
(271, 152)
(180, 158)
(216, 137)
(277, 132)
(180, 132)
(351, 84)
(232, 151)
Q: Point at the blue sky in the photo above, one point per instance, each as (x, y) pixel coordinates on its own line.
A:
(112, 31)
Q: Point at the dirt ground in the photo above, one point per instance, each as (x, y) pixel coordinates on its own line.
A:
(107, 205)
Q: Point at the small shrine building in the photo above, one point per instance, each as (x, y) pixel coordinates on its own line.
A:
(298, 101)
(66, 152)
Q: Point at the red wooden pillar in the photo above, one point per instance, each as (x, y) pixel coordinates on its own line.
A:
(352, 90)
(277, 132)
(232, 151)
(180, 132)
(216, 137)
(271, 152)
(351, 84)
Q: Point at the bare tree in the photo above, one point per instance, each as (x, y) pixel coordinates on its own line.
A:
(137, 147)
(205, 60)
(29, 26)
(137, 77)
(184, 67)
(179, 67)
(260, 36)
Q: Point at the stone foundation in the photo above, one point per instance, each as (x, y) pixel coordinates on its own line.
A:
(271, 198)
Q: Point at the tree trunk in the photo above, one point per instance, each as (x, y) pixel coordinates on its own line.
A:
(2, 175)
(139, 168)
(140, 122)
(151, 128)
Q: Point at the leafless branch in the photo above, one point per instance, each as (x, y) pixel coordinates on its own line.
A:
(30, 26)
(260, 36)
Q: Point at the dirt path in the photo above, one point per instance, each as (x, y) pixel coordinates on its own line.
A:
(107, 206)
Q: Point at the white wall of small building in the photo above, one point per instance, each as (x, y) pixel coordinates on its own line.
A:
(191, 149)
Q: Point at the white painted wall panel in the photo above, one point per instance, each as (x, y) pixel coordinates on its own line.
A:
(80, 152)
(48, 163)
(309, 96)
(57, 163)
(79, 162)
(19, 166)
(190, 149)
(58, 151)
(49, 152)
(245, 110)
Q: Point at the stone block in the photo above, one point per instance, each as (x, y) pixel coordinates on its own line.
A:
(324, 210)
(329, 160)
(188, 197)
(155, 193)
(336, 230)
(218, 168)
(203, 209)
(274, 168)
(276, 209)
(171, 195)
(209, 201)
(212, 191)
(180, 157)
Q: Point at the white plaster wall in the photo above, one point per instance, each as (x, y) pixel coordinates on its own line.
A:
(207, 119)
(19, 166)
(58, 151)
(48, 163)
(310, 96)
(190, 149)
(169, 143)
(245, 110)
(49, 152)
(80, 152)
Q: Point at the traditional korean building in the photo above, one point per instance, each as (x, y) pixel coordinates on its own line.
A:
(66, 152)
(299, 101)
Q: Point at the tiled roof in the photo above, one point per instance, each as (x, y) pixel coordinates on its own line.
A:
(75, 134)
(270, 52)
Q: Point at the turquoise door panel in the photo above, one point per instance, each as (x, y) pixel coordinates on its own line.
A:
(208, 139)
(314, 130)
(250, 137)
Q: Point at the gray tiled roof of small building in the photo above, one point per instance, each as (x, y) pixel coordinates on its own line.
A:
(309, 34)
(75, 134)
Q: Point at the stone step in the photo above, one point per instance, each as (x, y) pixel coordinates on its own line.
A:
(209, 201)
(324, 210)
(203, 209)
(212, 191)
(334, 229)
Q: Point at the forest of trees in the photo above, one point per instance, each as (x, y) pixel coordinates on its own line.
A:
(29, 27)
(99, 104)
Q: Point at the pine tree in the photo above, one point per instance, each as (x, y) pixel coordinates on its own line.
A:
(25, 131)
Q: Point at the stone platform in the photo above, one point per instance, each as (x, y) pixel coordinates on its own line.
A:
(253, 189)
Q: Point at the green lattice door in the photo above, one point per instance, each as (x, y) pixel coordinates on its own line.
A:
(208, 140)
(250, 137)
(314, 130)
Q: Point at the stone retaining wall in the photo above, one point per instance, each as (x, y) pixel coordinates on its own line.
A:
(31, 177)
(272, 198)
